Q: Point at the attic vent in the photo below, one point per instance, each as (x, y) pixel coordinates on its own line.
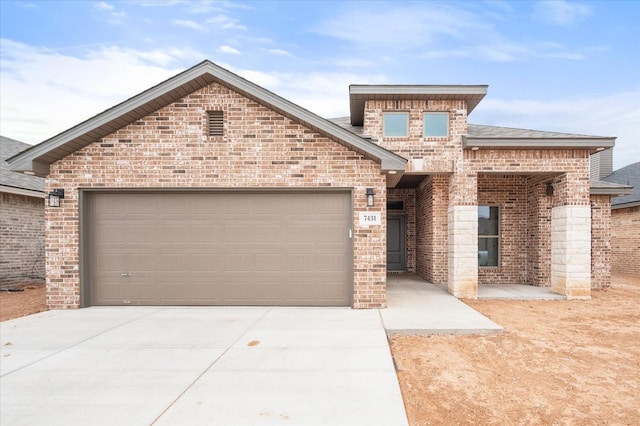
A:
(215, 123)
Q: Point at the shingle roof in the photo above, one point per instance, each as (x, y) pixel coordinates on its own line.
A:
(345, 123)
(494, 137)
(629, 175)
(9, 148)
(483, 131)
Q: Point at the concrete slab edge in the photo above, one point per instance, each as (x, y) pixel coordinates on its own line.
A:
(454, 331)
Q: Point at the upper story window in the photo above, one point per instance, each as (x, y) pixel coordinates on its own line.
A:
(395, 124)
(436, 124)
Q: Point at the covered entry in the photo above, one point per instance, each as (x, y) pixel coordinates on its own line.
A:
(217, 248)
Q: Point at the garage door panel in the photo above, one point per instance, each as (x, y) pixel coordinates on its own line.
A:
(226, 248)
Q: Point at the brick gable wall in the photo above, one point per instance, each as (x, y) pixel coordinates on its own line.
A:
(170, 149)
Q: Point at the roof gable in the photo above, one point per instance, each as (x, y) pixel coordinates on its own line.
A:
(38, 158)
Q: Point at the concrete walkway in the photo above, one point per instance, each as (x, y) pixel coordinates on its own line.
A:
(415, 306)
(517, 292)
(198, 366)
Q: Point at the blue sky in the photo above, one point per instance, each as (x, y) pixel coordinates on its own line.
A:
(550, 65)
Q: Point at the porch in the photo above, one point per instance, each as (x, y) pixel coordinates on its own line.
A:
(415, 306)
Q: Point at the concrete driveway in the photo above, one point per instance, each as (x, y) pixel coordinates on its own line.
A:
(198, 366)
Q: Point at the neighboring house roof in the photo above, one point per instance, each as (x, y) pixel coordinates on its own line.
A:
(38, 158)
(480, 136)
(359, 93)
(630, 176)
(17, 183)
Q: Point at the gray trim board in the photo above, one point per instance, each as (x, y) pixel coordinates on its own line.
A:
(608, 188)
(19, 191)
(38, 158)
(591, 143)
(625, 205)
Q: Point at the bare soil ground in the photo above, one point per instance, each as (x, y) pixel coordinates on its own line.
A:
(558, 362)
(18, 304)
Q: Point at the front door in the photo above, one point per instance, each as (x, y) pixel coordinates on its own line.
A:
(396, 252)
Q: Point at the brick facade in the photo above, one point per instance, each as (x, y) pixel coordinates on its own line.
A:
(625, 241)
(22, 234)
(547, 216)
(170, 149)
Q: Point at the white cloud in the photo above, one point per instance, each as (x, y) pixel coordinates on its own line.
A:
(324, 93)
(188, 24)
(613, 115)
(104, 6)
(115, 17)
(402, 27)
(279, 52)
(228, 49)
(45, 92)
(226, 23)
(437, 30)
(561, 12)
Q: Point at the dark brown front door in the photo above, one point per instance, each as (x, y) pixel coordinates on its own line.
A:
(396, 252)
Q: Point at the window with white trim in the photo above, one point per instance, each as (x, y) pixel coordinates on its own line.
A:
(488, 236)
(395, 124)
(436, 124)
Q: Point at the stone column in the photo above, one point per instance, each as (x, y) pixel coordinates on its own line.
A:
(571, 242)
(463, 236)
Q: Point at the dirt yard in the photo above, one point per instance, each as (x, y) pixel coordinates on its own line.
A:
(20, 303)
(558, 362)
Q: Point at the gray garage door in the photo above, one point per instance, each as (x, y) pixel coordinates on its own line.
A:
(223, 248)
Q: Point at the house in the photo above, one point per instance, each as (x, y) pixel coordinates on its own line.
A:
(625, 222)
(21, 221)
(210, 190)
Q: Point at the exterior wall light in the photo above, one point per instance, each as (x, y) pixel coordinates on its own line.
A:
(370, 197)
(55, 196)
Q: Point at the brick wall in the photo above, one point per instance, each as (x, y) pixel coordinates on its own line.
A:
(22, 236)
(170, 149)
(539, 206)
(432, 201)
(601, 241)
(509, 193)
(625, 241)
(425, 154)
